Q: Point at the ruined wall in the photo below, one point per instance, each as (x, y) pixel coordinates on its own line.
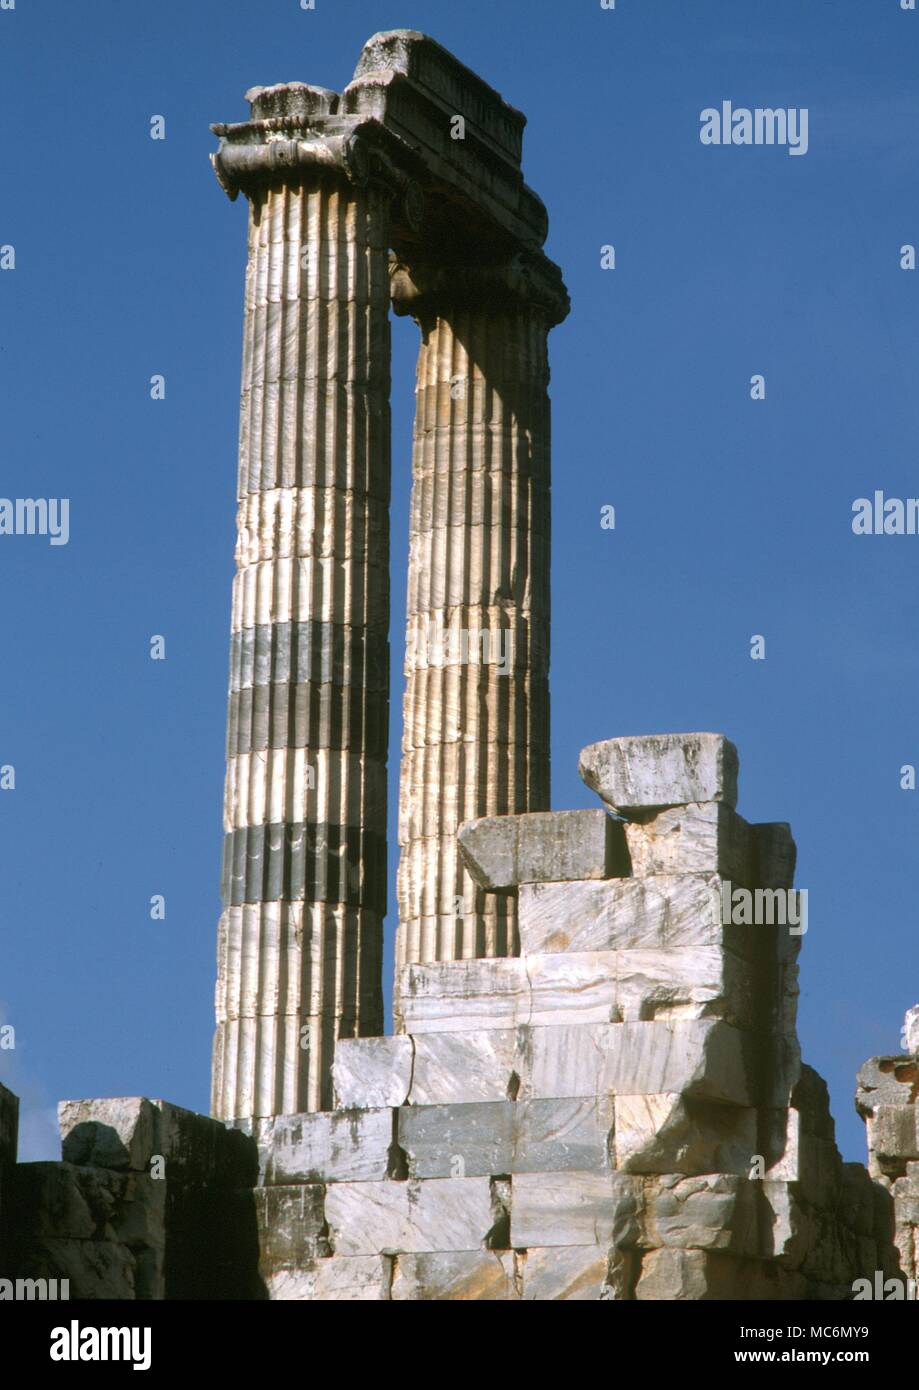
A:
(149, 1202)
(619, 1112)
(887, 1095)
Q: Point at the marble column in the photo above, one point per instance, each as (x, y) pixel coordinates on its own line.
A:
(476, 711)
(304, 879)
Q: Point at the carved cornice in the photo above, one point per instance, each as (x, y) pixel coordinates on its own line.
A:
(426, 289)
(442, 144)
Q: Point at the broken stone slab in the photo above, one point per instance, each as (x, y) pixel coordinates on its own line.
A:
(372, 1073)
(447, 1214)
(706, 1059)
(435, 1276)
(911, 1029)
(684, 983)
(569, 1135)
(502, 852)
(550, 1209)
(326, 1146)
(457, 1141)
(577, 987)
(634, 774)
(713, 1211)
(677, 1134)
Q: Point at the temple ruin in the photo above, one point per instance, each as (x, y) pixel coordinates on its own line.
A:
(594, 1089)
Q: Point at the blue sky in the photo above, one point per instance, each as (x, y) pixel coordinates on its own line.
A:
(733, 517)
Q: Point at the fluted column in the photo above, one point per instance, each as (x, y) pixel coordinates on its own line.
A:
(476, 711)
(304, 880)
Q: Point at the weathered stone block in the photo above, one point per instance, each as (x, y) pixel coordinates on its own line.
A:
(460, 1275)
(364, 1279)
(501, 852)
(893, 1133)
(886, 1081)
(339, 1279)
(464, 1067)
(549, 1209)
(713, 1211)
(705, 837)
(558, 989)
(292, 1230)
(327, 1146)
(290, 1285)
(704, 1059)
(661, 770)
(125, 1133)
(662, 912)
(371, 1073)
(685, 983)
(676, 1134)
(117, 1133)
(670, 1275)
(446, 1214)
(457, 1141)
(459, 995)
(576, 1273)
(571, 1135)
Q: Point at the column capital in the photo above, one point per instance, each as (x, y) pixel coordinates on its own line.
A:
(295, 129)
(525, 280)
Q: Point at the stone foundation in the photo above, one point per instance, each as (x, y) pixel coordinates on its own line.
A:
(619, 1112)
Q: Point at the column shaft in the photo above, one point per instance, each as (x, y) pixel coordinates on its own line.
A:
(304, 879)
(476, 711)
